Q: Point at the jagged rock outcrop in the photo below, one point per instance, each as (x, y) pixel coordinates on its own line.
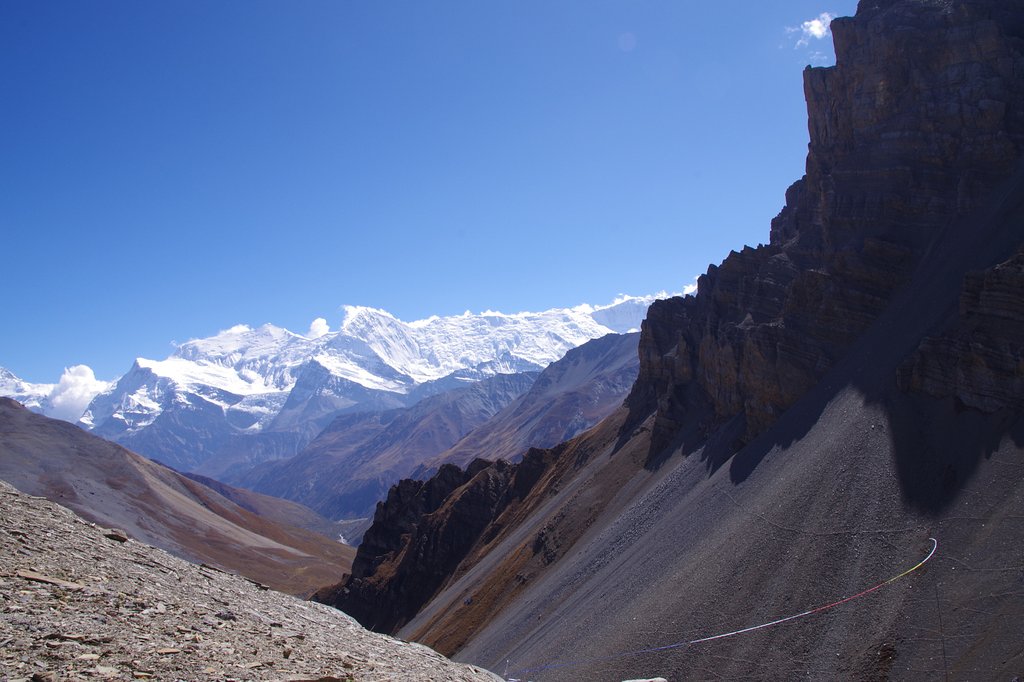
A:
(421, 533)
(921, 117)
(980, 359)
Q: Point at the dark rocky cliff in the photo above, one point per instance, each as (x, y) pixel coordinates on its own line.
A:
(922, 116)
(421, 533)
(979, 358)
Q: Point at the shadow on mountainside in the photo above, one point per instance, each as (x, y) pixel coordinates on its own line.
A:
(937, 442)
(938, 449)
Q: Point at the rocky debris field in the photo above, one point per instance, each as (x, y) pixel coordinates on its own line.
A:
(80, 602)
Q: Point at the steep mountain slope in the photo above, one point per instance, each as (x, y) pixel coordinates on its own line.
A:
(351, 465)
(570, 396)
(800, 428)
(117, 488)
(250, 395)
(840, 494)
(275, 509)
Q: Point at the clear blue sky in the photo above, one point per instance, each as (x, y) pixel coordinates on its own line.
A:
(171, 169)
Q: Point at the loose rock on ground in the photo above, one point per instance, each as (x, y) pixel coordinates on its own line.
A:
(77, 604)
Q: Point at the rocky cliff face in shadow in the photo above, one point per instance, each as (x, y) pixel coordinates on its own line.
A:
(979, 359)
(421, 533)
(921, 117)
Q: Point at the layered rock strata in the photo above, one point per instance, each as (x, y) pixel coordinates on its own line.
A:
(921, 117)
(979, 360)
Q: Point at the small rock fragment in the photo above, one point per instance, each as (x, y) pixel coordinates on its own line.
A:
(116, 535)
(40, 578)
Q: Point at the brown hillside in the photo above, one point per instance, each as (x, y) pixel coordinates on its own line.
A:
(114, 487)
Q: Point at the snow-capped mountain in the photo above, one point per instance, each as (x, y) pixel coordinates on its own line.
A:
(254, 394)
(33, 396)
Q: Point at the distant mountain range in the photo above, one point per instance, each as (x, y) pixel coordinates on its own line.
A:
(250, 395)
(357, 457)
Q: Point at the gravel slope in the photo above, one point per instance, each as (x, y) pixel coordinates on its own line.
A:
(77, 603)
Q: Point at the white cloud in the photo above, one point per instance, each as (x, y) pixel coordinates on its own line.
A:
(690, 288)
(813, 29)
(318, 328)
(73, 393)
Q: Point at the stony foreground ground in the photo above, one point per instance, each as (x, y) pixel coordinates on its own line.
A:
(79, 602)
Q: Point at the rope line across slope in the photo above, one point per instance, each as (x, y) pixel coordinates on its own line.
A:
(752, 628)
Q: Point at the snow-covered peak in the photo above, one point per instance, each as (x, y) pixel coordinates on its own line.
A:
(625, 313)
(436, 347)
(241, 359)
(358, 317)
(241, 342)
(30, 395)
(66, 399)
